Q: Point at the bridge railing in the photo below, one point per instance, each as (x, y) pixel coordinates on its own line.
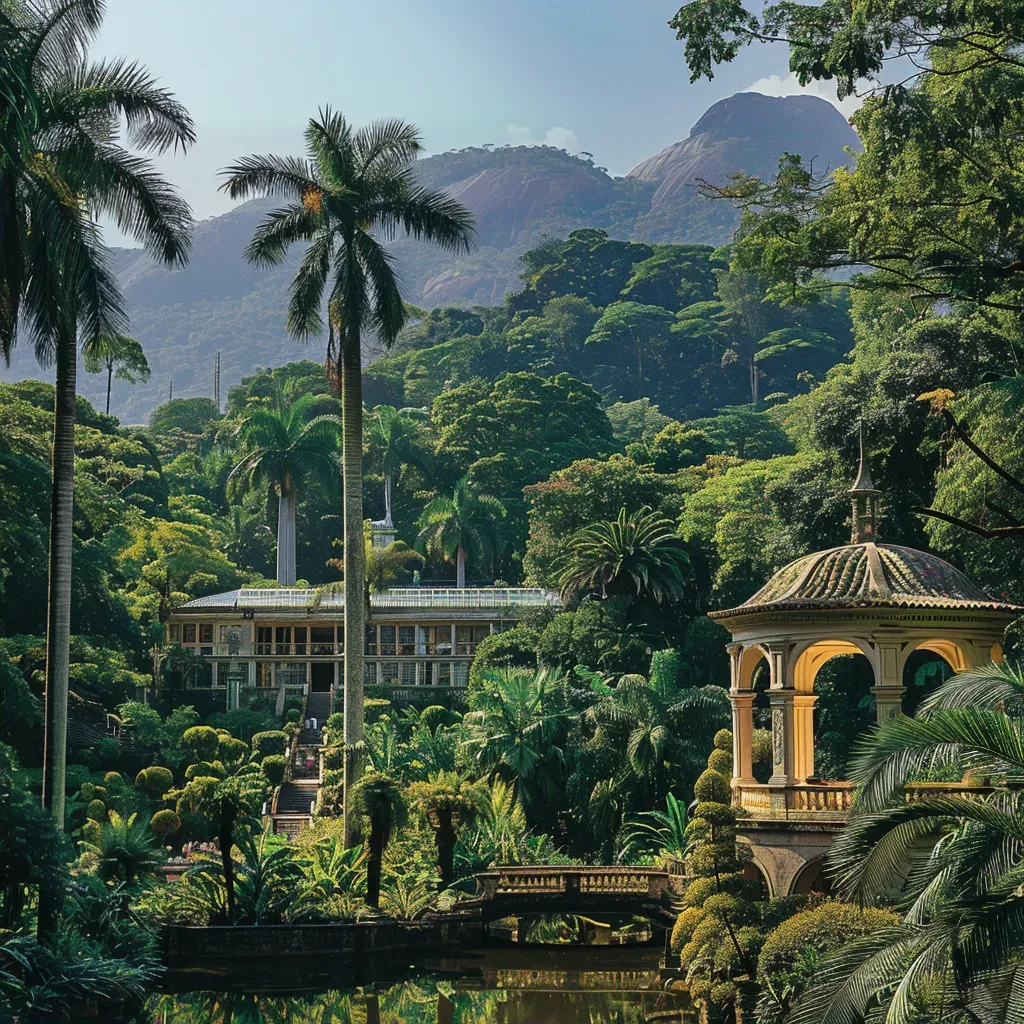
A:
(510, 881)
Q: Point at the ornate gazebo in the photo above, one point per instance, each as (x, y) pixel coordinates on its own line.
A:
(884, 601)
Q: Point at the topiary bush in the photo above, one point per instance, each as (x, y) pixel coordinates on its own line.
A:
(205, 769)
(233, 751)
(274, 741)
(155, 781)
(273, 768)
(87, 791)
(164, 823)
(96, 811)
(719, 932)
(114, 781)
(721, 762)
(202, 741)
(292, 715)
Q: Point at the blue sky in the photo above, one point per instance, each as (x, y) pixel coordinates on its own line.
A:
(606, 76)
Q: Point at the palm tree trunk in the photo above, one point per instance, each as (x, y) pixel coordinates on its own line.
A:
(286, 534)
(226, 838)
(355, 569)
(373, 866)
(387, 498)
(58, 613)
(460, 568)
(110, 377)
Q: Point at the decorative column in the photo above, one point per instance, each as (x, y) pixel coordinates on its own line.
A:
(780, 697)
(888, 688)
(742, 698)
(803, 735)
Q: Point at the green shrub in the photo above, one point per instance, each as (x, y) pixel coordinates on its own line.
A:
(87, 790)
(92, 831)
(666, 669)
(723, 739)
(205, 769)
(96, 811)
(202, 741)
(164, 823)
(273, 768)
(794, 951)
(761, 754)
(713, 787)
(273, 741)
(721, 761)
(515, 648)
(233, 751)
(292, 715)
(154, 781)
(374, 707)
(113, 780)
(333, 757)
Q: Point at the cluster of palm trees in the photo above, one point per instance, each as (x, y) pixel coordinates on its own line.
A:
(71, 135)
(72, 132)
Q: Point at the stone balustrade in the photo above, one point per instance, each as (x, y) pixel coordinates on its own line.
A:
(824, 801)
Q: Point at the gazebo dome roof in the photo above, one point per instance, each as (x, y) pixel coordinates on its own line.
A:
(867, 575)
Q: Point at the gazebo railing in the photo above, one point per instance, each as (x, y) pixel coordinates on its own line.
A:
(815, 801)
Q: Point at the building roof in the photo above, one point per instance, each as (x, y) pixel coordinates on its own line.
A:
(868, 575)
(399, 599)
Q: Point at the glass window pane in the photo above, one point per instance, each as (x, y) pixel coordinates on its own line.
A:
(174, 634)
(408, 673)
(387, 640)
(369, 673)
(389, 671)
(460, 674)
(444, 673)
(206, 632)
(371, 640)
(188, 633)
(406, 640)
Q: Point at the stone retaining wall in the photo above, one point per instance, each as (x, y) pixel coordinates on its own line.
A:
(188, 945)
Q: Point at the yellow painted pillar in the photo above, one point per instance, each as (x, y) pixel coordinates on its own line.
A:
(888, 688)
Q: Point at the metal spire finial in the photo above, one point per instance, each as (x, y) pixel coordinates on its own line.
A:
(864, 497)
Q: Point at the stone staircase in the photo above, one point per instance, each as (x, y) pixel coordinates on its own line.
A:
(298, 794)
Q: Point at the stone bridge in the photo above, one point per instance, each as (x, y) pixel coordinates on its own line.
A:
(516, 891)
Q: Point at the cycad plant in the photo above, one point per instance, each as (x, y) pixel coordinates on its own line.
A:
(63, 168)
(284, 445)
(378, 799)
(448, 801)
(953, 864)
(355, 190)
(461, 527)
(635, 555)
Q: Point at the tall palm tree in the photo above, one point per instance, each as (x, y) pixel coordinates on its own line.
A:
(379, 799)
(393, 446)
(354, 182)
(955, 865)
(286, 443)
(116, 354)
(461, 527)
(635, 554)
(62, 167)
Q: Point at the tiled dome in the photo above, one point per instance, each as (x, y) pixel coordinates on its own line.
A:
(868, 575)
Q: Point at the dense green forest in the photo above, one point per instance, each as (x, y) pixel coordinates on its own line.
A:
(649, 430)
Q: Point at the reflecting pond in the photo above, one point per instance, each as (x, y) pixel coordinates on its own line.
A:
(495, 986)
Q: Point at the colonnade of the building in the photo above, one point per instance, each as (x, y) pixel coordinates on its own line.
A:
(792, 668)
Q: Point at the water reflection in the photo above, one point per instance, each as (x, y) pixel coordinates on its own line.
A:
(511, 988)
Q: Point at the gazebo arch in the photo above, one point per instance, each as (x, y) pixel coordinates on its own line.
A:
(881, 600)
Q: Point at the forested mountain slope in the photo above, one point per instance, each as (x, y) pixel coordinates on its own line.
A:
(519, 196)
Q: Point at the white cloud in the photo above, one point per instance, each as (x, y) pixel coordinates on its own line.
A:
(776, 85)
(557, 135)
